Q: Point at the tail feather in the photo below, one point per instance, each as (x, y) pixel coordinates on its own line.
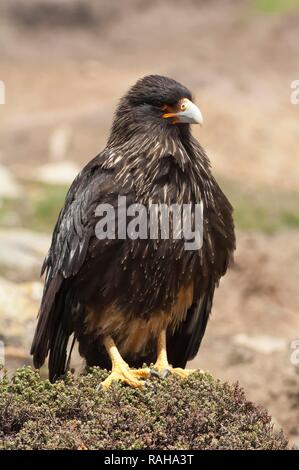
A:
(46, 323)
(54, 328)
(183, 345)
(58, 355)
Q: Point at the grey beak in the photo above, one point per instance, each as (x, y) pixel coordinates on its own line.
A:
(191, 115)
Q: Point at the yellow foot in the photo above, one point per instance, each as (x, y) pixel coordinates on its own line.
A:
(123, 373)
(164, 370)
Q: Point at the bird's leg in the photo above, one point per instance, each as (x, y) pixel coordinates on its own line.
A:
(162, 365)
(120, 369)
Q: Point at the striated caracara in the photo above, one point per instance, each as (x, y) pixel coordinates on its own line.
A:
(130, 300)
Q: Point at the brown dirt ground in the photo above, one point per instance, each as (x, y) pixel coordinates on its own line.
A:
(259, 298)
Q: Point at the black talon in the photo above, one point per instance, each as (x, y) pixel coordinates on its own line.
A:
(99, 387)
(165, 373)
(155, 373)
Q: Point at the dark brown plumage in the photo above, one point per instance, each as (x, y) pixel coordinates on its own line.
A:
(130, 289)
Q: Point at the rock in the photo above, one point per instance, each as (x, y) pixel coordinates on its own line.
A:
(9, 188)
(19, 305)
(262, 344)
(63, 172)
(59, 142)
(22, 253)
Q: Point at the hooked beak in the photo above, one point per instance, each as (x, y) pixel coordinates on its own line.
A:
(190, 114)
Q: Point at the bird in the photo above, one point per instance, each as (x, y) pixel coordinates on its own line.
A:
(136, 306)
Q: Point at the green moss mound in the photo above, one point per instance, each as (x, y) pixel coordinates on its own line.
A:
(197, 413)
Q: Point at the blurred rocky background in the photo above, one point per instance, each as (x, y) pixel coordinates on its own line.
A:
(65, 63)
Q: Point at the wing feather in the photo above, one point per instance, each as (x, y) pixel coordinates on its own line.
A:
(67, 254)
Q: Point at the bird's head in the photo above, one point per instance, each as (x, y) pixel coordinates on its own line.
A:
(157, 100)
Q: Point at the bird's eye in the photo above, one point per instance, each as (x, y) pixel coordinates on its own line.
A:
(183, 106)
